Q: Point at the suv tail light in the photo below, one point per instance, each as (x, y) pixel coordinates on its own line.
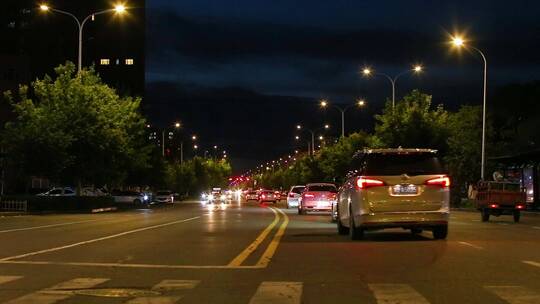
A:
(365, 182)
(443, 181)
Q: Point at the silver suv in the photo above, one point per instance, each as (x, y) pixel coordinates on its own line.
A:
(394, 188)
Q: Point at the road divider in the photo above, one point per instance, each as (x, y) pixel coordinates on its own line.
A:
(239, 259)
(272, 247)
(270, 250)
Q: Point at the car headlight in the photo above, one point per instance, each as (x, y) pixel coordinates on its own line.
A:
(210, 196)
(203, 195)
(145, 197)
(223, 196)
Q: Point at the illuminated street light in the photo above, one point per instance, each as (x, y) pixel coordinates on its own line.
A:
(118, 9)
(415, 69)
(321, 137)
(459, 42)
(297, 137)
(177, 125)
(194, 137)
(195, 147)
(325, 104)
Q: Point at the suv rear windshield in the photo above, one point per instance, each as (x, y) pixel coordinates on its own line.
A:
(397, 164)
(297, 190)
(322, 188)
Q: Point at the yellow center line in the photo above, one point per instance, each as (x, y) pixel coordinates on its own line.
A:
(272, 247)
(237, 261)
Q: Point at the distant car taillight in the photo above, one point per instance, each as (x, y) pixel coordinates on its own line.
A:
(365, 182)
(263, 196)
(443, 181)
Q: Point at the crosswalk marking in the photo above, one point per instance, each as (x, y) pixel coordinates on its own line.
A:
(176, 284)
(5, 279)
(166, 285)
(58, 292)
(396, 294)
(278, 293)
(515, 294)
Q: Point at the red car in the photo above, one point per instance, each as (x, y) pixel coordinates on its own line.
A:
(267, 196)
(318, 197)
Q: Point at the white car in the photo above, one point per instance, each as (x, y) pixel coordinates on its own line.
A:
(293, 198)
(164, 196)
(131, 197)
(65, 191)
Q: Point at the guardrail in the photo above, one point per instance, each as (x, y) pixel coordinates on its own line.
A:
(20, 206)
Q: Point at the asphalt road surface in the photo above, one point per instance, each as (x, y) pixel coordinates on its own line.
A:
(246, 253)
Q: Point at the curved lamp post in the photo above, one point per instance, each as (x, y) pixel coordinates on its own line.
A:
(459, 42)
(415, 69)
(359, 103)
(118, 9)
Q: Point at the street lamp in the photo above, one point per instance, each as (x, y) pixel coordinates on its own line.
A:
(312, 132)
(416, 69)
(118, 9)
(459, 42)
(360, 103)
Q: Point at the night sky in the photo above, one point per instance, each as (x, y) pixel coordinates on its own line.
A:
(221, 55)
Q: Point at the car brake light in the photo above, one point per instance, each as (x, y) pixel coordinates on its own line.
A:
(365, 182)
(263, 196)
(309, 195)
(520, 207)
(493, 206)
(443, 181)
(291, 194)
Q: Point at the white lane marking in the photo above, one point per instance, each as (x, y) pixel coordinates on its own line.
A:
(503, 224)
(5, 279)
(45, 226)
(396, 294)
(154, 300)
(58, 292)
(536, 227)
(119, 265)
(532, 263)
(471, 245)
(515, 294)
(278, 293)
(98, 239)
(166, 285)
(176, 285)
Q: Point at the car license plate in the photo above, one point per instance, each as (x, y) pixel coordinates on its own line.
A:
(405, 189)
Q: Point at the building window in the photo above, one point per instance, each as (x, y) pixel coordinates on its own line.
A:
(129, 61)
(105, 61)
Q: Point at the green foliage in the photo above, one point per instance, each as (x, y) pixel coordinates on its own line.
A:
(330, 164)
(75, 129)
(464, 153)
(197, 174)
(414, 123)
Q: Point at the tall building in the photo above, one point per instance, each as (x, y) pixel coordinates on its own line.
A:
(33, 42)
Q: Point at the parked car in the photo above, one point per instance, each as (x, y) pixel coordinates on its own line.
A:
(395, 188)
(59, 191)
(267, 196)
(294, 196)
(164, 196)
(131, 197)
(252, 196)
(91, 191)
(317, 197)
